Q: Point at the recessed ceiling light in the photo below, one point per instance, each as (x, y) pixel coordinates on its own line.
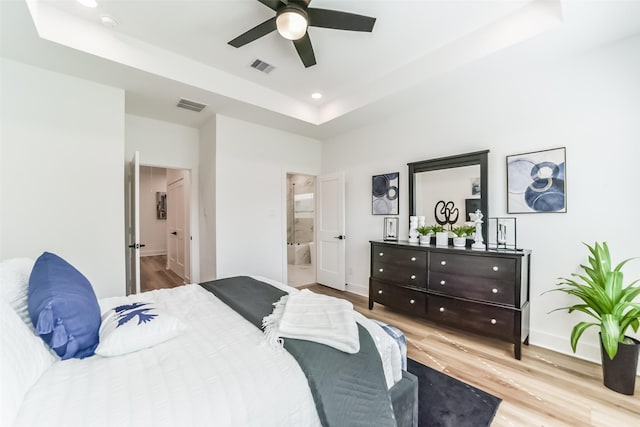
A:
(88, 3)
(316, 95)
(108, 21)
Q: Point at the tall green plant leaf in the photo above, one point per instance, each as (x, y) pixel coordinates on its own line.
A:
(577, 331)
(610, 334)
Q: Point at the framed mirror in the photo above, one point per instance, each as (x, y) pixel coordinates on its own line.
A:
(453, 186)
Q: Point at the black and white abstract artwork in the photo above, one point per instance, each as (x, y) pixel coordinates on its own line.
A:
(385, 191)
(536, 182)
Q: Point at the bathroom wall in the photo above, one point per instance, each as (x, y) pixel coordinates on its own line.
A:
(300, 210)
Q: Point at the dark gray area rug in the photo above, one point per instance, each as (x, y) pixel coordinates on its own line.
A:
(445, 401)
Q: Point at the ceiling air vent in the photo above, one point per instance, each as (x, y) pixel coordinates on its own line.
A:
(191, 105)
(262, 66)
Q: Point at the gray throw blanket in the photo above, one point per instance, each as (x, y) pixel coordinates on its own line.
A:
(348, 389)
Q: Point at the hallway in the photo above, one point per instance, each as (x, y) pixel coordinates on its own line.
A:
(155, 275)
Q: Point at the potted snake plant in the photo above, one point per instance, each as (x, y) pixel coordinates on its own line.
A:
(614, 308)
(462, 232)
(426, 231)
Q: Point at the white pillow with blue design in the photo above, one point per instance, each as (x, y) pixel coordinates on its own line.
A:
(136, 326)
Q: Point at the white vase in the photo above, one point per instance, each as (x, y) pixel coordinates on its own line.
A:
(459, 242)
(442, 238)
(425, 240)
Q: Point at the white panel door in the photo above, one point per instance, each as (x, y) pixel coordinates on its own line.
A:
(176, 227)
(331, 233)
(133, 276)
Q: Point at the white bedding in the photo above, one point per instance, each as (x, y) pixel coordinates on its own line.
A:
(218, 372)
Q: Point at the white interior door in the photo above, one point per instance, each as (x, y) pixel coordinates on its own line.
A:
(134, 226)
(176, 227)
(331, 231)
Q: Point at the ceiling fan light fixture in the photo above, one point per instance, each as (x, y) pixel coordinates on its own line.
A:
(292, 22)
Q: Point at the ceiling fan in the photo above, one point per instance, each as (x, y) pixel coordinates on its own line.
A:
(292, 19)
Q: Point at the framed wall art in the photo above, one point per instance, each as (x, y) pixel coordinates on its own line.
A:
(385, 190)
(537, 182)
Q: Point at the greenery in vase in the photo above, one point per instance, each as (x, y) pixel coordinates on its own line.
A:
(604, 298)
(437, 228)
(463, 230)
(424, 230)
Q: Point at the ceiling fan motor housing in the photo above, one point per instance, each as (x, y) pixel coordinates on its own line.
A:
(292, 21)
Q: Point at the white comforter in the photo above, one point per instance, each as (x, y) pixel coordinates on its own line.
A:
(218, 372)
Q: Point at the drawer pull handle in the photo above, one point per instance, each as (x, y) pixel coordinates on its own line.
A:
(381, 270)
(495, 268)
(380, 291)
(381, 253)
(494, 290)
(443, 262)
(412, 301)
(442, 282)
(493, 321)
(413, 258)
(441, 309)
(413, 276)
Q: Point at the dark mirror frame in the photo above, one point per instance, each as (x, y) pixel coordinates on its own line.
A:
(476, 158)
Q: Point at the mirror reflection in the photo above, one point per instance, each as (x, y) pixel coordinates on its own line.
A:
(453, 192)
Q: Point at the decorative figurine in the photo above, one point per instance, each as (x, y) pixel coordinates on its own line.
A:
(479, 242)
(413, 233)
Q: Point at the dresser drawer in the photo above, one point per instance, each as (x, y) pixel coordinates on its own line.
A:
(478, 266)
(471, 287)
(414, 302)
(475, 317)
(409, 276)
(400, 257)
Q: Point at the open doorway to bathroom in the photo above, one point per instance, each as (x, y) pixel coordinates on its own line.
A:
(301, 253)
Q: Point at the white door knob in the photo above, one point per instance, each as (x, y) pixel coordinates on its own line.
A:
(412, 301)
(413, 258)
(381, 253)
(442, 282)
(381, 270)
(493, 321)
(380, 291)
(495, 268)
(413, 276)
(494, 290)
(441, 309)
(443, 262)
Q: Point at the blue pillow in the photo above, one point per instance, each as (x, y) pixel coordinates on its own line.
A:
(63, 307)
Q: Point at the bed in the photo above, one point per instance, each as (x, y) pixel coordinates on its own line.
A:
(216, 370)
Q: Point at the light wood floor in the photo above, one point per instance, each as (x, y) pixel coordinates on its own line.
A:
(545, 388)
(155, 275)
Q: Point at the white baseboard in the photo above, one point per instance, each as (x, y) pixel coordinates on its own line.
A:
(358, 289)
(585, 350)
(152, 252)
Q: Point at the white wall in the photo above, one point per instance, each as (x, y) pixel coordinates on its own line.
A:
(589, 104)
(61, 181)
(252, 162)
(164, 144)
(153, 231)
(207, 214)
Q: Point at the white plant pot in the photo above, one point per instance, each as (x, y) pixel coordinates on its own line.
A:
(425, 240)
(459, 242)
(442, 238)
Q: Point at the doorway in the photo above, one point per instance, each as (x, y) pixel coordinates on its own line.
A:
(301, 253)
(164, 227)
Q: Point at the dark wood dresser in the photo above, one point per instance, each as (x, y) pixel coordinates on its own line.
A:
(485, 292)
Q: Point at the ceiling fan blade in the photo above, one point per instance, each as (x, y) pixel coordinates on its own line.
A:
(305, 50)
(255, 33)
(272, 4)
(337, 20)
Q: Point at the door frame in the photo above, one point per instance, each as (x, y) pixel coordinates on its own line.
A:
(191, 265)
